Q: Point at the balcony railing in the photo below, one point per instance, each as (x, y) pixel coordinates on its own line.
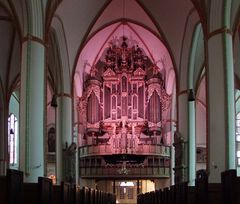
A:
(142, 149)
(134, 172)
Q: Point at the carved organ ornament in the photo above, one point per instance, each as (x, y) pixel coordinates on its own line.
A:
(124, 98)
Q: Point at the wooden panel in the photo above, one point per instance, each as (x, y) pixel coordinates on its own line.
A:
(214, 193)
(76, 195)
(3, 189)
(191, 195)
(14, 186)
(201, 187)
(65, 193)
(56, 194)
(30, 193)
(45, 190)
(229, 186)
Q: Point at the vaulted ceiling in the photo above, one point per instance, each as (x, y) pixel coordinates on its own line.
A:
(69, 25)
(167, 20)
(10, 52)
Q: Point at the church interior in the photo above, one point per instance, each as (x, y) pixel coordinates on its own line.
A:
(122, 96)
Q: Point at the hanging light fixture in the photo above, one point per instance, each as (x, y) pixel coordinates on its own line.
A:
(123, 170)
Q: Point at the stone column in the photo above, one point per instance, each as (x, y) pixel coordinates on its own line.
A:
(75, 140)
(192, 140)
(181, 139)
(185, 141)
(173, 130)
(32, 108)
(221, 105)
(59, 146)
(3, 138)
(64, 131)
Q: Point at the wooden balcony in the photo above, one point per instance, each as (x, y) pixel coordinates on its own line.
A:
(141, 149)
(141, 172)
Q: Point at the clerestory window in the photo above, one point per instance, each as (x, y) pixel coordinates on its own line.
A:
(12, 139)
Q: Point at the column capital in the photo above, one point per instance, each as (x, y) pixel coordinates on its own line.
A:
(30, 37)
(219, 31)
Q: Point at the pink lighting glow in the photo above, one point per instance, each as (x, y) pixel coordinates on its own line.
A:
(151, 45)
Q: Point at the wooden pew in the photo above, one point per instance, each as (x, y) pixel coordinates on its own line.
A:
(56, 197)
(84, 195)
(229, 187)
(172, 194)
(30, 193)
(95, 196)
(91, 196)
(214, 193)
(201, 187)
(65, 193)
(181, 193)
(14, 186)
(110, 198)
(11, 187)
(76, 195)
(226, 192)
(3, 189)
(165, 195)
(39, 193)
(191, 195)
(14, 191)
(139, 199)
(45, 190)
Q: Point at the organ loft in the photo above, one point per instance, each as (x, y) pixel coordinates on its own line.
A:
(122, 115)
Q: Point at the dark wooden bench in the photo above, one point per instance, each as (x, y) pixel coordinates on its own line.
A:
(3, 189)
(11, 187)
(56, 197)
(39, 193)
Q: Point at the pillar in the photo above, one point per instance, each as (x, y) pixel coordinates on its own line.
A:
(3, 138)
(173, 129)
(32, 108)
(64, 131)
(181, 148)
(192, 140)
(191, 109)
(75, 140)
(59, 146)
(221, 105)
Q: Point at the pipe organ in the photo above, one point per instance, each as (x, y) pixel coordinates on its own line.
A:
(124, 102)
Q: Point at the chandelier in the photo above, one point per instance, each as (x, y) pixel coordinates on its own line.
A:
(123, 170)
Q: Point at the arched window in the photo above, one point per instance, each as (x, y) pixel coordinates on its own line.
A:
(237, 125)
(12, 139)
